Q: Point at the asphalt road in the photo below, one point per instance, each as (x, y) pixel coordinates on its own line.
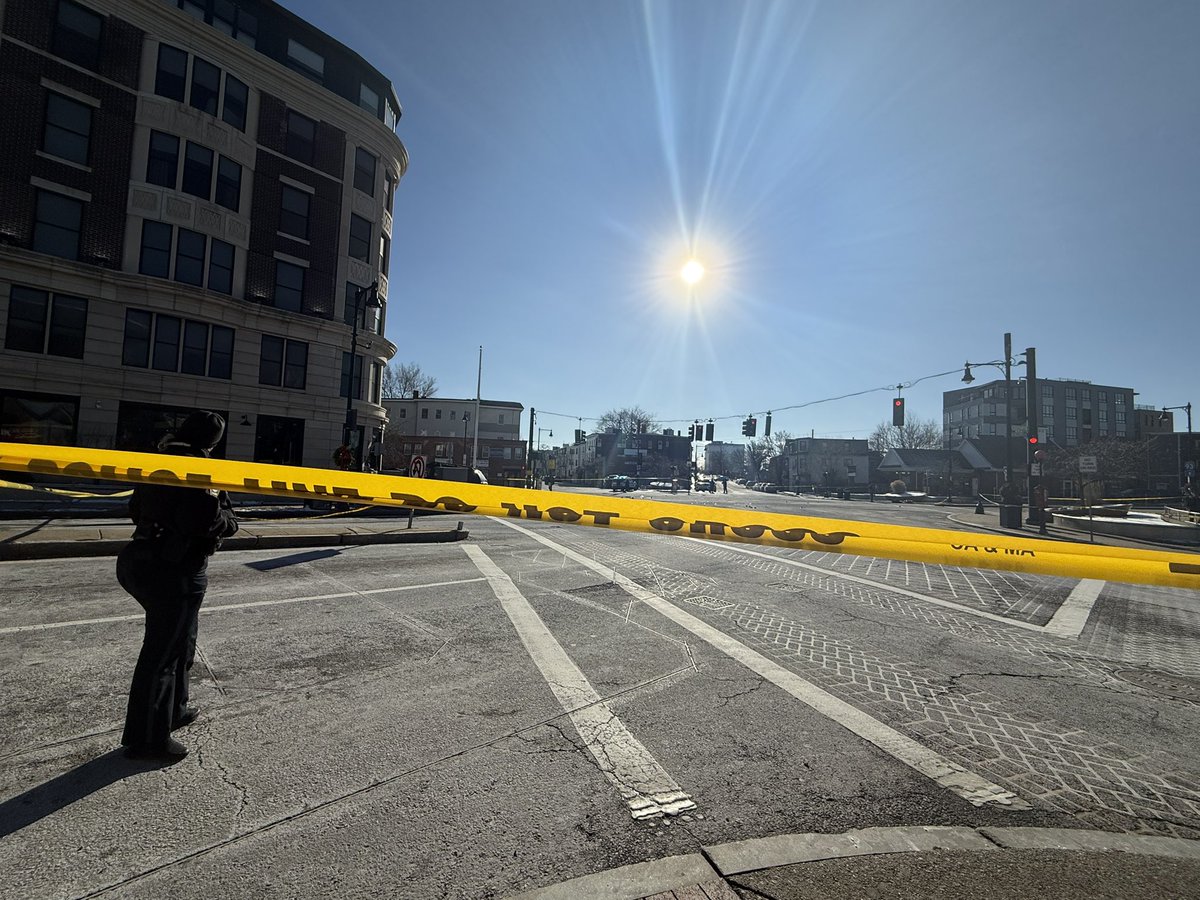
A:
(546, 701)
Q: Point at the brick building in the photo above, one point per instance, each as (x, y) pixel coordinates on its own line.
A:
(192, 196)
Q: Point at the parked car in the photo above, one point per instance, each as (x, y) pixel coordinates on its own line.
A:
(710, 486)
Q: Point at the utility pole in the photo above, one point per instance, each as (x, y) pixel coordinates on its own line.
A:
(529, 455)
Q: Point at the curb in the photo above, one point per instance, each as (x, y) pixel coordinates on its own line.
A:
(706, 872)
(73, 549)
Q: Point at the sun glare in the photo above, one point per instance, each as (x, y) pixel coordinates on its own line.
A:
(692, 271)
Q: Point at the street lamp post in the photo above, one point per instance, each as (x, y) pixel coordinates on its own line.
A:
(1162, 417)
(538, 463)
(363, 298)
(1006, 365)
(466, 419)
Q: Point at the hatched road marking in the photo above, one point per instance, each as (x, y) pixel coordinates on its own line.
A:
(966, 784)
(643, 783)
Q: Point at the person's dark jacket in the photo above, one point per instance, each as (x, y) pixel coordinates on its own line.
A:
(184, 525)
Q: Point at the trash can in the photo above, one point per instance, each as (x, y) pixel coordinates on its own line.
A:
(1010, 515)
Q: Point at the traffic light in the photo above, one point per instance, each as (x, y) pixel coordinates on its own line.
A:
(745, 426)
(1032, 440)
(898, 411)
(767, 429)
(708, 431)
(751, 426)
(579, 435)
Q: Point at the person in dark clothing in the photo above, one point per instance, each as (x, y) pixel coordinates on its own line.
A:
(165, 568)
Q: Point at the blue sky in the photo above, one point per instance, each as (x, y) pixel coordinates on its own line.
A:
(879, 190)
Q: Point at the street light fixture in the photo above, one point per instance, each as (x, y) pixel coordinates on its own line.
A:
(363, 298)
(466, 419)
(1162, 416)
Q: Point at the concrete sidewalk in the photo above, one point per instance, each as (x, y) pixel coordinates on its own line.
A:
(938, 863)
(58, 538)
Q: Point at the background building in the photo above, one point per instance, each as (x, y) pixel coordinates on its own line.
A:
(646, 456)
(192, 195)
(721, 458)
(442, 431)
(814, 463)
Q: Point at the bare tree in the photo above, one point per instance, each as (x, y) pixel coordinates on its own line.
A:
(630, 419)
(760, 451)
(915, 434)
(401, 379)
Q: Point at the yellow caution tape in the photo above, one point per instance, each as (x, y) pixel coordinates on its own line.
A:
(40, 489)
(924, 545)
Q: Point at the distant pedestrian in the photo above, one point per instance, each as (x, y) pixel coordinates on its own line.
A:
(165, 568)
(725, 484)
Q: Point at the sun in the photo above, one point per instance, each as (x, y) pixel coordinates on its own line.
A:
(692, 271)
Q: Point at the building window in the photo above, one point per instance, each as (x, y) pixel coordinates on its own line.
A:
(352, 384)
(289, 286)
(1103, 414)
(233, 111)
(403, 413)
(295, 365)
(360, 238)
(77, 35)
(384, 254)
(220, 354)
(206, 86)
(368, 100)
(171, 78)
(389, 183)
(283, 363)
(1070, 393)
(220, 267)
(68, 128)
(27, 316)
(229, 184)
(1102, 396)
(424, 413)
(1120, 399)
(165, 357)
(136, 349)
(56, 225)
(437, 413)
(1120, 418)
(301, 135)
(162, 164)
(189, 257)
(1085, 417)
(1071, 413)
(293, 213)
(1085, 395)
(195, 348)
(237, 23)
(1072, 434)
(307, 62)
(1047, 411)
(1047, 390)
(364, 171)
(197, 171)
(156, 249)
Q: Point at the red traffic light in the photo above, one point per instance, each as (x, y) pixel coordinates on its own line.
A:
(897, 402)
(1033, 439)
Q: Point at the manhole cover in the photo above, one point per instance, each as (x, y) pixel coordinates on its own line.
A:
(1175, 686)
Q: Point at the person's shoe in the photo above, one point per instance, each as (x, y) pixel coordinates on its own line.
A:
(169, 750)
(188, 717)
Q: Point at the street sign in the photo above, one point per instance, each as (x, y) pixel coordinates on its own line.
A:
(1087, 464)
(1035, 468)
(417, 467)
(1189, 467)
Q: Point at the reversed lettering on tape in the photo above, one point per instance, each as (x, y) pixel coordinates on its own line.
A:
(1006, 551)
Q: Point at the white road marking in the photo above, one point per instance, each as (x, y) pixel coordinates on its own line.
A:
(643, 783)
(223, 607)
(1073, 615)
(929, 763)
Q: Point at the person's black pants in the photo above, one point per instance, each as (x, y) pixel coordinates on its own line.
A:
(171, 594)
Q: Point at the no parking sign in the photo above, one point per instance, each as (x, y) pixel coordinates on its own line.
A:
(417, 467)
